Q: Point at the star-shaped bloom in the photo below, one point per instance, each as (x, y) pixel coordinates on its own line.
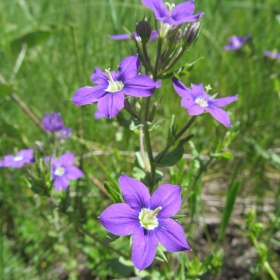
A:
(273, 55)
(172, 15)
(109, 94)
(147, 219)
(63, 171)
(236, 42)
(53, 122)
(197, 100)
(17, 161)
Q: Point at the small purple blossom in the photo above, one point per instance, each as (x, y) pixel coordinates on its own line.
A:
(109, 94)
(63, 171)
(53, 122)
(236, 42)
(196, 100)
(273, 55)
(147, 219)
(17, 161)
(153, 37)
(172, 15)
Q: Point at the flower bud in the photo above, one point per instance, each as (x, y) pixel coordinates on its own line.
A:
(144, 30)
(191, 32)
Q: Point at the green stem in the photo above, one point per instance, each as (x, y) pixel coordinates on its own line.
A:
(177, 136)
(270, 271)
(158, 59)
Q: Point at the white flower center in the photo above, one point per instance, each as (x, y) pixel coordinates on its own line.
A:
(113, 86)
(235, 42)
(59, 171)
(201, 101)
(165, 27)
(148, 218)
(18, 158)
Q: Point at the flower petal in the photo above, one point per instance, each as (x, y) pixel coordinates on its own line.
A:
(110, 104)
(120, 37)
(169, 198)
(135, 193)
(60, 183)
(181, 89)
(88, 95)
(198, 90)
(183, 12)
(220, 115)
(99, 77)
(188, 102)
(129, 67)
(219, 102)
(158, 7)
(26, 154)
(73, 173)
(120, 219)
(67, 159)
(144, 247)
(139, 86)
(171, 235)
(195, 110)
(154, 36)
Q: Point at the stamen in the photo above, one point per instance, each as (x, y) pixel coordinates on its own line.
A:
(201, 101)
(148, 218)
(59, 171)
(18, 158)
(169, 6)
(113, 86)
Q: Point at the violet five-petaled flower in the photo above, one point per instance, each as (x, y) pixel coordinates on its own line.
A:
(236, 42)
(153, 37)
(147, 219)
(197, 100)
(63, 171)
(272, 54)
(53, 122)
(170, 14)
(17, 161)
(109, 94)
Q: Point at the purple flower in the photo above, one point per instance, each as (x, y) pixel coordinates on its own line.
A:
(53, 123)
(17, 161)
(196, 100)
(274, 54)
(63, 171)
(173, 15)
(153, 37)
(236, 42)
(112, 87)
(147, 219)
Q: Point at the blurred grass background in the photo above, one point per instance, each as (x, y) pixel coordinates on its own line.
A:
(66, 39)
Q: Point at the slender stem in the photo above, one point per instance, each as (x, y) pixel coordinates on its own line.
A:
(270, 271)
(177, 136)
(130, 110)
(28, 112)
(142, 150)
(185, 128)
(158, 59)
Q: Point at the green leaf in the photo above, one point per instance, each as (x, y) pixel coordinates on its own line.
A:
(5, 89)
(226, 155)
(182, 71)
(230, 201)
(32, 38)
(160, 255)
(171, 158)
(111, 238)
(115, 195)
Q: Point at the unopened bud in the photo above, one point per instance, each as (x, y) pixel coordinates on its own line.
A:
(191, 32)
(144, 30)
